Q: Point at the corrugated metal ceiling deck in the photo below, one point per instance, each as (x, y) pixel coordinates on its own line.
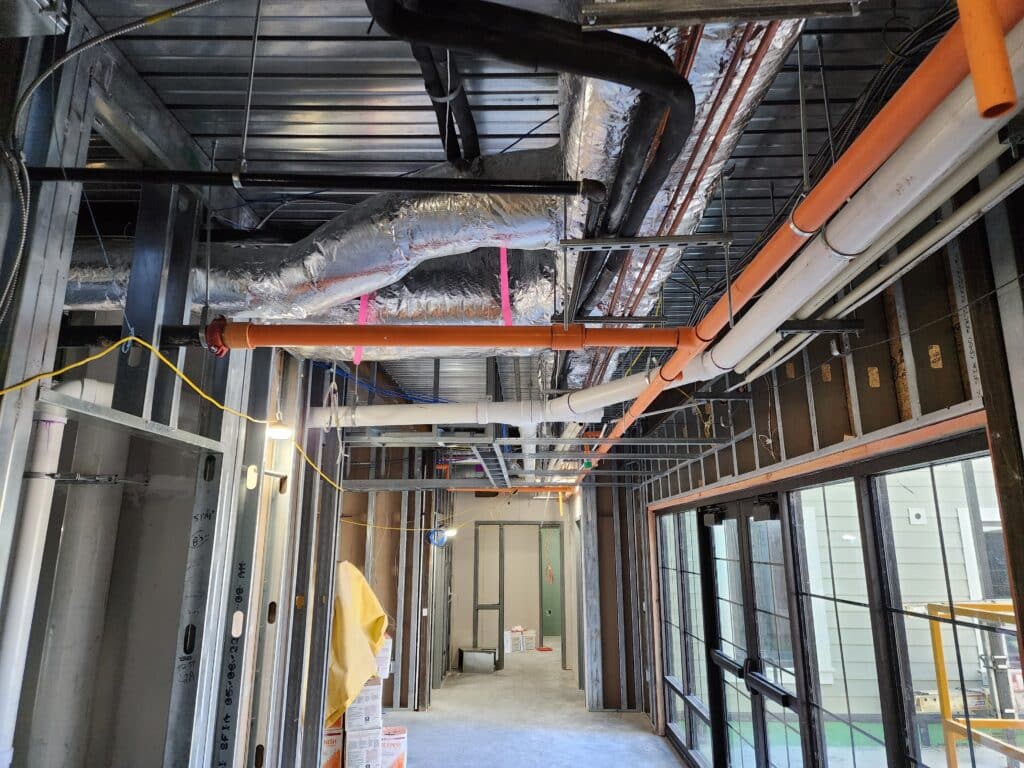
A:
(331, 92)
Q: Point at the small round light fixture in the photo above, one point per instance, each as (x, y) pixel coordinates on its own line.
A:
(278, 430)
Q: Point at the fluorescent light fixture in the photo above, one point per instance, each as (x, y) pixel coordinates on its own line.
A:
(278, 430)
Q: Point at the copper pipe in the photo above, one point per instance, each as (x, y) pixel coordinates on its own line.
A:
(986, 53)
(741, 92)
(653, 257)
(936, 77)
(225, 335)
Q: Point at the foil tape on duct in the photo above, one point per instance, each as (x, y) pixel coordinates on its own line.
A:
(717, 46)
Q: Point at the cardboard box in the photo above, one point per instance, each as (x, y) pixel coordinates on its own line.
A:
(330, 751)
(529, 640)
(364, 713)
(384, 659)
(513, 640)
(362, 748)
(394, 747)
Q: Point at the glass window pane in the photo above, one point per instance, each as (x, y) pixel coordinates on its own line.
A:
(739, 723)
(669, 543)
(699, 678)
(783, 731)
(676, 712)
(848, 679)
(701, 740)
(959, 646)
(730, 589)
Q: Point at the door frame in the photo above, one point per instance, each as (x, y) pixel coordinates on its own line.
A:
(766, 508)
(561, 579)
(499, 606)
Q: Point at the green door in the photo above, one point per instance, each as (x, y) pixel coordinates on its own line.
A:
(551, 582)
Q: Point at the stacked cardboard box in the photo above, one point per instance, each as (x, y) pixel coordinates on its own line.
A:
(358, 739)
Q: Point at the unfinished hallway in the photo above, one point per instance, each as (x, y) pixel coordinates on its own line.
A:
(529, 714)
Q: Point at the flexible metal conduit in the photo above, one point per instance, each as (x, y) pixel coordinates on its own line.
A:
(942, 71)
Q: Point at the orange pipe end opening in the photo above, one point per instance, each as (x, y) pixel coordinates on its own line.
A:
(986, 53)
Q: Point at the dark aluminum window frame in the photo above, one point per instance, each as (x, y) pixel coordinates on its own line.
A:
(886, 627)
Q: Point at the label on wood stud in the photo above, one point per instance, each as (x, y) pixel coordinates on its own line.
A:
(874, 379)
(935, 356)
(826, 372)
(790, 371)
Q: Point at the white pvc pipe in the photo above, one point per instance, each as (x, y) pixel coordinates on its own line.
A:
(944, 141)
(43, 458)
(906, 260)
(988, 154)
(518, 413)
(37, 500)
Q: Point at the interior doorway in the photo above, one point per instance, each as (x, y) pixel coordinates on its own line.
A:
(552, 594)
(518, 582)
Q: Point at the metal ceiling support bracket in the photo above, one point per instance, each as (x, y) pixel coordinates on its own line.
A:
(683, 13)
(672, 241)
(793, 327)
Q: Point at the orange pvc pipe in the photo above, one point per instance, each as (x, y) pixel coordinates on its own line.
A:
(575, 337)
(936, 77)
(989, 61)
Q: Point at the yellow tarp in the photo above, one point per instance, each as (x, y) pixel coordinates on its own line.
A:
(357, 635)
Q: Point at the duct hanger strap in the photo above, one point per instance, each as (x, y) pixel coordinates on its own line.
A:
(592, 190)
(448, 97)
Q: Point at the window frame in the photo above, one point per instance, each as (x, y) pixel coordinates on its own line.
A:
(887, 632)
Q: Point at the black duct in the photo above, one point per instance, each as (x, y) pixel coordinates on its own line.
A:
(439, 97)
(443, 83)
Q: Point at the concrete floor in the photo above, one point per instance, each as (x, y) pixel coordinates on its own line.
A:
(529, 714)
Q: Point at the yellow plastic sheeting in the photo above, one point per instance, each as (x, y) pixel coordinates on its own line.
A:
(357, 635)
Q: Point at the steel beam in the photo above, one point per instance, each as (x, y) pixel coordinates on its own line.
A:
(144, 300)
(684, 13)
(135, 425)
(336, 181)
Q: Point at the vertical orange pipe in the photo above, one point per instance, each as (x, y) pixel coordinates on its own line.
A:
(986, 52)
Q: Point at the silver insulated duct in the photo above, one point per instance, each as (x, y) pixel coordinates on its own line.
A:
(593, 132)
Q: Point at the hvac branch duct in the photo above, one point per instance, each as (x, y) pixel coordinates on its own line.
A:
(371, 248)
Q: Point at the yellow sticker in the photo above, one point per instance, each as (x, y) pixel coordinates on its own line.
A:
(935, 356)
(790, 371)
(826, 372)
(874, 379)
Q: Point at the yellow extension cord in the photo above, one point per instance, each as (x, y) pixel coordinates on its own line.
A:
(205, 396)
